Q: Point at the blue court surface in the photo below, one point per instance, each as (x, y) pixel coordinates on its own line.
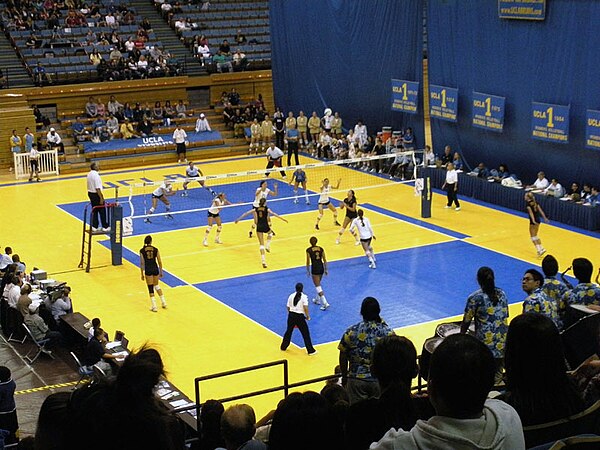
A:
(413, 286)
(198, 198)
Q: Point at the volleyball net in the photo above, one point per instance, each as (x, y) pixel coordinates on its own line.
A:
(195, 195)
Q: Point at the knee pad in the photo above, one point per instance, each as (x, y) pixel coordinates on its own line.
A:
(319, 289)
(151, 210)
(151, 288)
(262, 248)
(534, 238)
(219, 228)
(320, 216)
(208, 228)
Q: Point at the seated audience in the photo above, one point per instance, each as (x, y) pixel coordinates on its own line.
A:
(537, 300)
(55, 141)
(480, 171)
(457, 161)
(594, 198)
(95, 353)
(585, 293)
(554, 189)
(126, 130)
(181, 110)
(40, 75)
(240, 62)
(540, 183)
(537, 385)
(202, 124)
(62, 305)
(394, 364)
(16, 259)
(499, 174)
(555, 289)
(222, 62)
(112, 125)
(305, 421)
(574, 193)
(586, 191)
(40, 330)
(113, 105)
(79, 131)
(210, 419)
(238, 424)
(6, 258)
(447, 156)
(145, 128)
(24, 300)
(461, 375)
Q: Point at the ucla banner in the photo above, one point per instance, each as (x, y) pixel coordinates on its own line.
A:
(443, 102)
(592, 129)
(157, 141)
(488, 111)
(405, 96)
(522, 9)
(550, 122)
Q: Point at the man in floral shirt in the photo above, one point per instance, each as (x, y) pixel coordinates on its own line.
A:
(537, 300)
(555, 289)
(585, 293)
(356, 347)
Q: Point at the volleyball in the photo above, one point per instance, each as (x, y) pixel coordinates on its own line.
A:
(328, 112)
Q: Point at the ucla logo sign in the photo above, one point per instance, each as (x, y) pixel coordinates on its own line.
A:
(154, 141)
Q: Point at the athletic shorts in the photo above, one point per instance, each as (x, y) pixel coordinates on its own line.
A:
(368, 241)
(213, 215)
(325, 204)
(351, 214)
(317, 271)
(33, 163)
(181, 148)
(151, 272)
(158, 196)
(263, 229)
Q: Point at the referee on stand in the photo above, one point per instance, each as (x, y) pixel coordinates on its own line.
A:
(94, 188)
(274, 155)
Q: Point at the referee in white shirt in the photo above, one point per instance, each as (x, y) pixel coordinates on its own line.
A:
(297, 306)
(180, 136)
(451, 186)
(94, 188)
(274, 155)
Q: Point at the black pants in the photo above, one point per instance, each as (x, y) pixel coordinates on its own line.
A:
(95, 200)
(325, 150)
(279, 136)
(452, 195)
(293, 150)
(297, 320)
(271, 163)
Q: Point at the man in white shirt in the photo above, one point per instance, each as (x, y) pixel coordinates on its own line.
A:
(274, 155)
(554, 189)
(6, 259)
(54, 141)
(34, 158)
(451, 186)
(202, 124)
(541, 182)
(180, 136)
(94, 189)
(360, 134)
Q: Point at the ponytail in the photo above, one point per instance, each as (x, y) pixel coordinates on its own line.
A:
(360, 216)
(299, 287)
(485, 278)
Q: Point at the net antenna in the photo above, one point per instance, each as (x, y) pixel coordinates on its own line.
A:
(195, 195)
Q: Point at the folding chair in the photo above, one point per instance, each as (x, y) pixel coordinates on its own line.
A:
(38, 347)
(84, 371)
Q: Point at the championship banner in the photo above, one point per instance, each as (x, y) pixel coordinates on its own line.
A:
(443, 102)
(405, 96)
(488, 111)
(592, 129)
(522, 9)
(550, 122)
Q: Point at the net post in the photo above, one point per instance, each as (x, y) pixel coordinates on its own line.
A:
(426, 193)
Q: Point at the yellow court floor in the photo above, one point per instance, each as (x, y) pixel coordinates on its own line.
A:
(199, 334)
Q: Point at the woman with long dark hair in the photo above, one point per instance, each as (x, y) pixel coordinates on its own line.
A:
(537, 385)
(488, 306)
(362, 225)
(297, 306)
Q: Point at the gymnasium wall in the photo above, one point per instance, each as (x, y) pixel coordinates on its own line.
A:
(552, 61)
(342, 54)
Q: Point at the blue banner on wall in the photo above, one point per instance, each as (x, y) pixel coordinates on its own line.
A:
(443, 102)
(405, 96)
(592, 129)
(522, 9)
(550, 122)
(488, 111)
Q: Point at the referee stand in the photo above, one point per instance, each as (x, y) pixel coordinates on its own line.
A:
(114, 213)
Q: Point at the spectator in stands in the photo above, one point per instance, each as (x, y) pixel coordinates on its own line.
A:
(555, 289)
(394, 364)
(499, 174)
(3, 80)
(40, 75)
(61, 305)
(224, 48)
(447, 156)
(127, 112)
(181, 110)
(115, 54)
(585, 293)
(360, 134)
(586, 191)
(145, 128)
(202, 124)
(40, 330)
(305, 421)
(457, 161)
(100, 107)
(488, 306)
(240, 38)
(20, 265)
(6, 258)
(234, 97)
(210, 431)
(540, 183)
(537, 300)
(573, 194)
(113, 105)
(460, 378)
(240, 62)
(95, 353)
(79, 131)
(428, 156)
(157, 111)
(238, 424)
(24, 300)
(12, 290)
(138, 113)
(55, 142)
(554, 189)
(126, 129)
(537, 385)
(39, 117)
(203, 52)
(594, 198)
(91, 108)
(110, 20)
(95, 57)
(142, 66)
(112, 125)
(222, 62)
(481, 171)
(355, 348)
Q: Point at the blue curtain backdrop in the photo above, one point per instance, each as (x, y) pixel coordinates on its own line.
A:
(553, 61)
(342, 54)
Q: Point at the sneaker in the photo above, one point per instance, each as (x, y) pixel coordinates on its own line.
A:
(106, 230)
(250, 233)
(315, 301)
(46, 351)
(336, 223)
(324, 307)
(218, 241)
(337, 241)
(391, 177)
(316, 226)
(273, 233)
(164, 305)
(264, 265)
(169, 216)
(457, 208)
(179, 161)
(185, 160)
(205, 243)
(307, 202)
(314, 352)
(541, 252)
(214, 194)
(30, 180)
(295, 200)
(184, 194)
(147, 220)
(447, 207)
(154, 309)
(96, 230)
(268, 249)
(356, 242)
(372, 266)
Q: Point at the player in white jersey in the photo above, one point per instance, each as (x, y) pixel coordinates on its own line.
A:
(363, 226)
(263, 191)
(325, 202)
(213, 217)
(192, 172)
(162, 193)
